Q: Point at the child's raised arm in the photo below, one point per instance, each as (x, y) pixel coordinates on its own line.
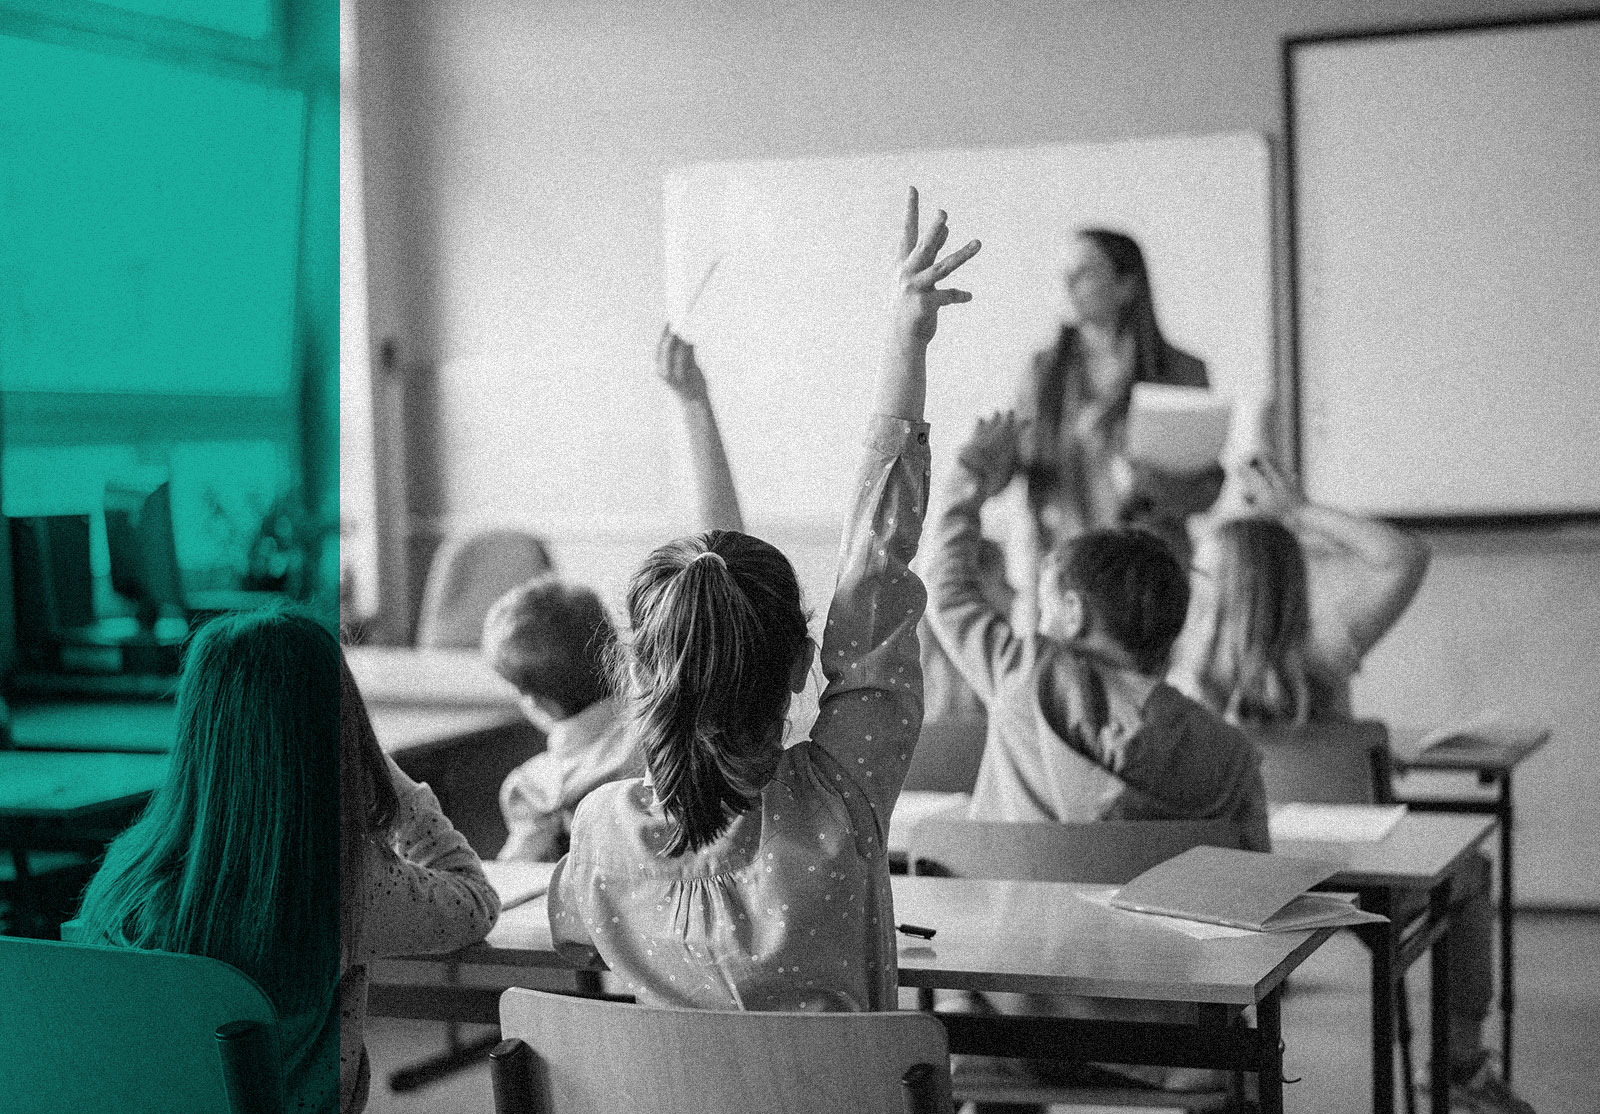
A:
(716, 500)
(902, 383)
(1363, 572)
(978, 637)
(871, 710)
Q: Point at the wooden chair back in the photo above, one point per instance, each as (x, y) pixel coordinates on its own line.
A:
(1326, 763)
(947, 756)
(569, 1055)
(1107, 852)
(139, 1032)
(466, 576)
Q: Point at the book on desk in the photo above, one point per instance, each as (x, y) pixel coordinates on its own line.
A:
(1241, 889)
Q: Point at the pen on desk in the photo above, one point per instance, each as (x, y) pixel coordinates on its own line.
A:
(916, 930)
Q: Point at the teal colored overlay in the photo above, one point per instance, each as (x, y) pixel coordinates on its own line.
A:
(168, 323)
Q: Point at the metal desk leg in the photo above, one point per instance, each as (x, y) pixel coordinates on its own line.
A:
(1383, 943)
(1269, 1035)
(29, 910)
(1507, 952)
(1439, 1011)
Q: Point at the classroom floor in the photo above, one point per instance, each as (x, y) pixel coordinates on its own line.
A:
(1325, 1023)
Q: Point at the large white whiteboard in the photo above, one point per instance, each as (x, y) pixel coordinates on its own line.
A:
(1447, 224)
(789, 327)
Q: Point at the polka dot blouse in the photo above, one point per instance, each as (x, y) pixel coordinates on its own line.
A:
(790, 908)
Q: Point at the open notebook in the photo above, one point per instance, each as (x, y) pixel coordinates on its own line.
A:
(1242, 889)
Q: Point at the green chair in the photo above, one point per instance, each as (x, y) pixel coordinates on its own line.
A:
(90, 1028)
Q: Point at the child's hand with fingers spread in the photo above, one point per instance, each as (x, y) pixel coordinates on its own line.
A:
(992, 453)
(677, 368)
(920, 272)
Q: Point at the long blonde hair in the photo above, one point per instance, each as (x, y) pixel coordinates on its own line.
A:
(1255, 669)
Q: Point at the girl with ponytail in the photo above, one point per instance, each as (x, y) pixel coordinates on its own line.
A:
(737, 874)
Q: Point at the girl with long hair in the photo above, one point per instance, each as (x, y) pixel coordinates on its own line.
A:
(1289, 598)
(738, 874)
(284, 844)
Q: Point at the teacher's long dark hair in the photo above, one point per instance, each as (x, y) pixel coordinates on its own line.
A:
(717, 629)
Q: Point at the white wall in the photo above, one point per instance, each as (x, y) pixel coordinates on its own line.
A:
(526, 144)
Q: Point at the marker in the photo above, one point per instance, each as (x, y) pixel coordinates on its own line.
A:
(916, 930)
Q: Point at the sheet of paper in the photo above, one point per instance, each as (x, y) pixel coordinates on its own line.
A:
(518, 882)
(1333, 823)
(1177, 429)
(1198, 930)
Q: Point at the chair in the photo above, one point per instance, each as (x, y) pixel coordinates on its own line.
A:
(1337, 762)
(32, 905)
(569, 1055)
(947, 756)
(139, 1032)
(1107, 852)
(1326, 763)
(467, 575)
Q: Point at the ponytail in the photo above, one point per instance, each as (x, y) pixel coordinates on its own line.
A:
(717, 627)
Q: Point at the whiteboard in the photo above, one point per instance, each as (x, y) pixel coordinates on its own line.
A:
(1447, 238)
(789, 325)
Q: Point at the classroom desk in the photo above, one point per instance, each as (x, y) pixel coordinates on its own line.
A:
(409, 731)
(139, 726)
(436, 678)
(1493, 763)
(1030, 937)
(1421, 855)
(67, 801)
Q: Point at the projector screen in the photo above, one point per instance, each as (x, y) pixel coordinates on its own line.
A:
(789, 325)
(1447, 268)
(149, 223)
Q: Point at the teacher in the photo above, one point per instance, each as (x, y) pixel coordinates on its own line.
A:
(1076, 393)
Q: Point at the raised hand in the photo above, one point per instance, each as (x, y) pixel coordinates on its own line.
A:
(920, 272)
(993, 451)
(677, 368)
(1265, 489)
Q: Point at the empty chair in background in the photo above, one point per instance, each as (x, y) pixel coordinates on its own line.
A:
(467, 575)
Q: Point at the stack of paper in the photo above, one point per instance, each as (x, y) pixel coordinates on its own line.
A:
(1242, 889)
(1177, 429)
(1488, 728)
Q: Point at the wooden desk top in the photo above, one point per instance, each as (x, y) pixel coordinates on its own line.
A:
(459, 678)
(60, 785)
(1499, 755)
(1038, 937)
(412, 729)
(1420, 850)
(145, 726)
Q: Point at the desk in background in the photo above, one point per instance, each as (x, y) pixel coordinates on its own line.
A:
(139, 726)
(1030, 937)
(449, 720)
(1421, 854)
(1493, 764)
(435, 678)
(67, 801)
